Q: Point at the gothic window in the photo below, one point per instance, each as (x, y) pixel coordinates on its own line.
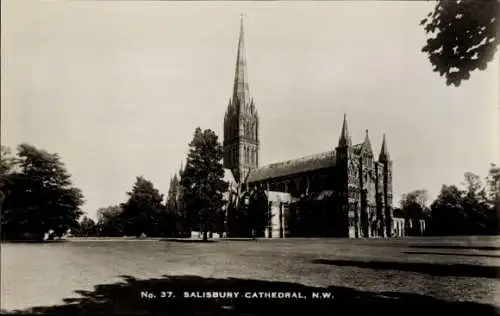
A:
(281, 187)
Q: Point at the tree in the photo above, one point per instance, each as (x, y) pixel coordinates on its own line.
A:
(414, 205)
(143, 209)
(41, 197)
(86, 228)
(202, 181)
(174, 219)
(237, 214)
(109, 221)
(7, 166)
(465, 212)
(462, 37)
(493, 186)
(448, 217)
(493, 198)
(479, 204)
(258, 212)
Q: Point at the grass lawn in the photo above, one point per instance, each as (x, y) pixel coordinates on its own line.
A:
(459, 274)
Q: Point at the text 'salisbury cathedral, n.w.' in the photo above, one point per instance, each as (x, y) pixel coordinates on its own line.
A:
(355, 186)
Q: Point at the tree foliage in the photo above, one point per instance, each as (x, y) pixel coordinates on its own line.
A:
(466, 211)
(175, 225)
(7, 165)
(143, 212)
(85, 228)
(109, 221)
(462, 37)
(493, 187)
(248, 213)
(414, 205)
(259, 214)
(40, 196)
(202, 181)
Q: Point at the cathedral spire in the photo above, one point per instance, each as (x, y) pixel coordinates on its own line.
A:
(384, 152)
(345, 138)
(240, 89)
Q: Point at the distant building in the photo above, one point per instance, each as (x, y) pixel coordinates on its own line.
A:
(357, 187)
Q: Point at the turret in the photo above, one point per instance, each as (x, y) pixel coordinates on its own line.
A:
(384, 152)
(367, 145)
(345, 138)
(385, 160)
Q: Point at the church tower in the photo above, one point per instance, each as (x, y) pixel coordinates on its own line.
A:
(241, 122)
(346, 209)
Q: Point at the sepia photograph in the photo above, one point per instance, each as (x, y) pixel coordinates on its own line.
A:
(250, 157)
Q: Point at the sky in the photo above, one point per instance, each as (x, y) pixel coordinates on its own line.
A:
(117, 88)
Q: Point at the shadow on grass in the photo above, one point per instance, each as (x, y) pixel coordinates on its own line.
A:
(461, 270)
(125, 298)
(458, 254)
(455, 247)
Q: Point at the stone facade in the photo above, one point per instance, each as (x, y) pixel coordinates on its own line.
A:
(278, 208)
(357, 185)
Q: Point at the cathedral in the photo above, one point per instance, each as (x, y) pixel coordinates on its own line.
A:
(350, 188)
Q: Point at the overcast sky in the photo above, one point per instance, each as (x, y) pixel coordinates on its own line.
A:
(117, 88)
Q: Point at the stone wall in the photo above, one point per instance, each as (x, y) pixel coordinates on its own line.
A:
(278, 206)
